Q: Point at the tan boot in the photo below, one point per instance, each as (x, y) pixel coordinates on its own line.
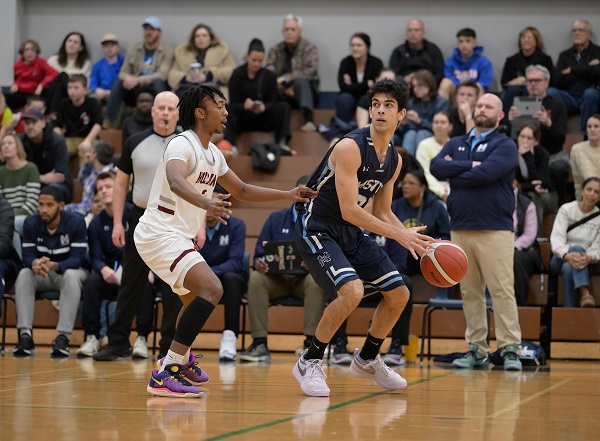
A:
(587, 300)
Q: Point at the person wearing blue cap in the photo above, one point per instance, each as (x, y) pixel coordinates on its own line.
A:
(146, 64)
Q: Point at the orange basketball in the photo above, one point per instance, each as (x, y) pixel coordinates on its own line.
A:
(444, 264)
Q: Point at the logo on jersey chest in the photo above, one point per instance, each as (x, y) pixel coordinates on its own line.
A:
(207, 179)
(224, 241)
(371, 185)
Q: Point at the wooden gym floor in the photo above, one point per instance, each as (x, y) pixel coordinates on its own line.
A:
(79, 399)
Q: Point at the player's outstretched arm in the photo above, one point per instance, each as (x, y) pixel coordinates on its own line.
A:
(253, 193)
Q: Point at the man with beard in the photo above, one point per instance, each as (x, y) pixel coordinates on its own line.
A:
(146, 64)
(54, 247)
(480, 167)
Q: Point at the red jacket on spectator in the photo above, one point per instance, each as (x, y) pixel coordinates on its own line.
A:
(28, 76)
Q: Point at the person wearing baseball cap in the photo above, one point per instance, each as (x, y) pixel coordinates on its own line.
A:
(146, 64)
(47, 150)
(33, 114)
(153, 22)
(106, 70)
(109, 38)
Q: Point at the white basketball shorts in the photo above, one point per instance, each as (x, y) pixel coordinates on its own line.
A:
(169, 255)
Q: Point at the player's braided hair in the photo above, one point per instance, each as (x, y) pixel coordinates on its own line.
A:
(193, 98)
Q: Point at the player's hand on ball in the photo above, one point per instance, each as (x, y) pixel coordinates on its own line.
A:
(415, 242)
(218, 207)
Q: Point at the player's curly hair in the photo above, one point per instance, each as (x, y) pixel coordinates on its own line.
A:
(193, 98)
(395, 90)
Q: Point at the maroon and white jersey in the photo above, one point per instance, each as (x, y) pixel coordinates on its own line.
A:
(168, 212)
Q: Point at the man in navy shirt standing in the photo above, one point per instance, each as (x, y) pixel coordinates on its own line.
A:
(54, 247)
(480, 167)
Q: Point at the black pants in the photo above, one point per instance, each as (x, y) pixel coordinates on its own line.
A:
(559, 175)
(171, 307)
(95, 289)
(275, 118)
(234, 287)
(133, 282)
(525, 265)
(8, 275)
(16, 101)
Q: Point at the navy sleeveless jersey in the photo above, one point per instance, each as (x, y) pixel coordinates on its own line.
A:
(371, 177)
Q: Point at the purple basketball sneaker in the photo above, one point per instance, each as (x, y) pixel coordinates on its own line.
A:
(171, 383)
(191, 371)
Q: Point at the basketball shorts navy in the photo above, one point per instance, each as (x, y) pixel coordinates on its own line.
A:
(336, 254)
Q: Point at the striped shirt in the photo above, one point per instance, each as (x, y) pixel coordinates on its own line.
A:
(67, 245)
(21, 188)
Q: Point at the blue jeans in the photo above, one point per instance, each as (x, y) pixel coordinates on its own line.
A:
(345, 106)
(573, 278)
(586, 104)
(412, 138)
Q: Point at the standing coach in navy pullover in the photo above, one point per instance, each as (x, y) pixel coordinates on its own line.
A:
(480, 167)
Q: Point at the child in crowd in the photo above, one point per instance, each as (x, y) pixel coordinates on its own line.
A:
(79, 118)
(32, 76)
(421, 107)
(106, 70)
(466, 63)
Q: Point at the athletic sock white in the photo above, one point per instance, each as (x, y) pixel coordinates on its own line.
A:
(172, 358)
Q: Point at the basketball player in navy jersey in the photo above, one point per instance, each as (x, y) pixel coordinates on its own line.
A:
(341, 258)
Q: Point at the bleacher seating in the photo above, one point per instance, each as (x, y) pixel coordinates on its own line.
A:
(568, 325)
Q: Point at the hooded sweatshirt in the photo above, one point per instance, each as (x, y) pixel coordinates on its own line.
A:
(477, 68)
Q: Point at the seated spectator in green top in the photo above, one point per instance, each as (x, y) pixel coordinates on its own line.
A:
(19, 183)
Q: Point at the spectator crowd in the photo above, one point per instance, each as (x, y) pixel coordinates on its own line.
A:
(55, 110)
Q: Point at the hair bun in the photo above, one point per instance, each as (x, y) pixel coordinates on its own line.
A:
(256, 45)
